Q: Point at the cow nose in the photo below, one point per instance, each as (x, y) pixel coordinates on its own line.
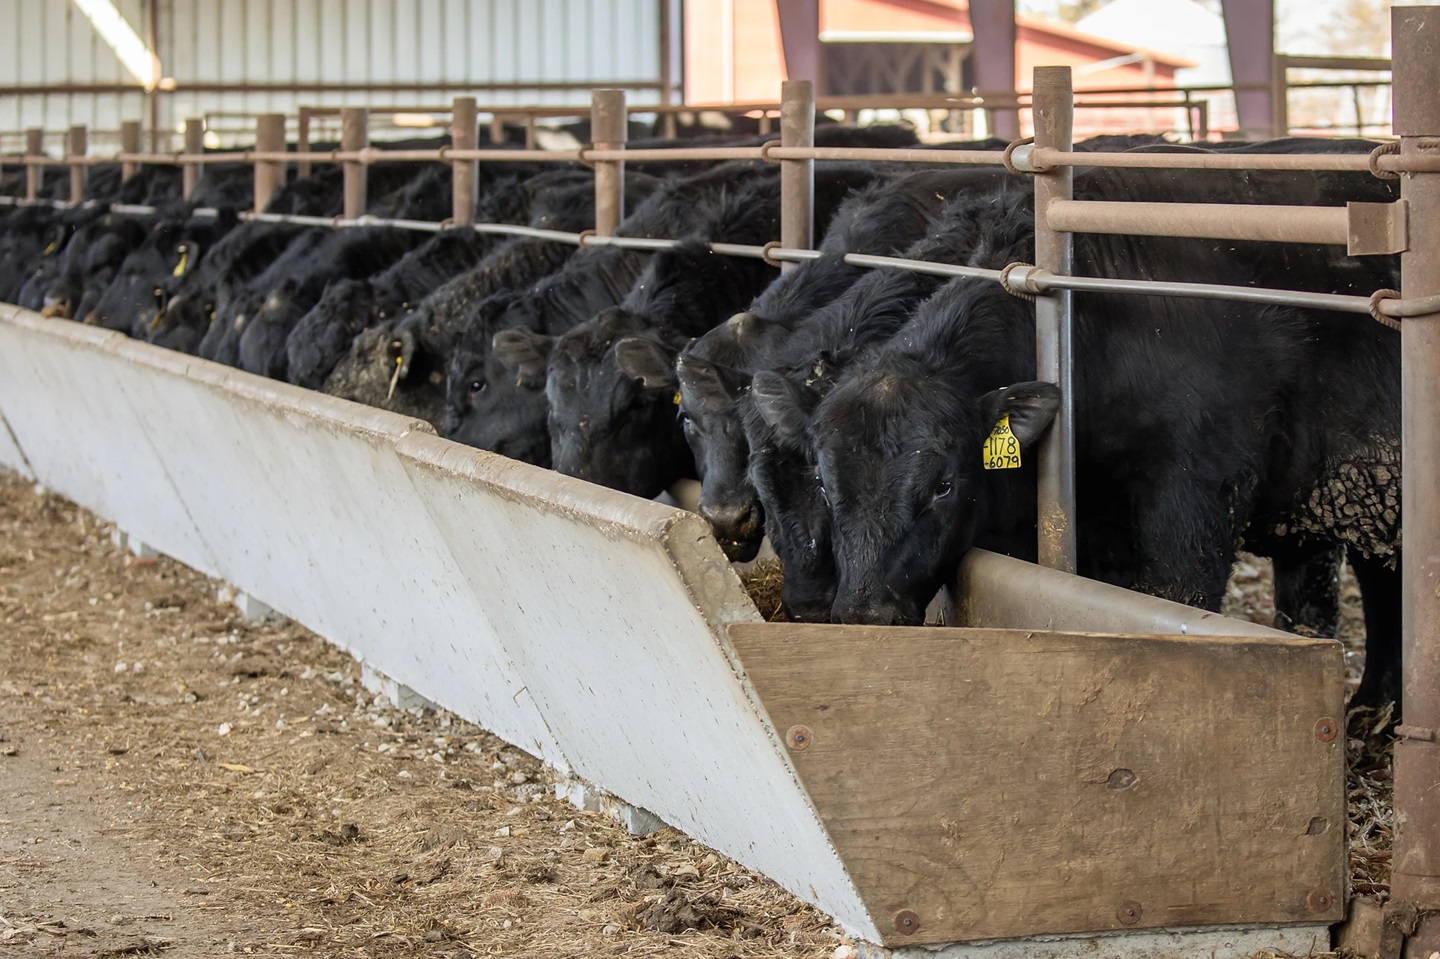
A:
(56, 306)
(867, 609)
(731, 520)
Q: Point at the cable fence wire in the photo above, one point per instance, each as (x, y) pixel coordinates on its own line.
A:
(1025, 280)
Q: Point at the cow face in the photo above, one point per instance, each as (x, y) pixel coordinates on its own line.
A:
(709, 396)
(85, 279)
(496, 396)
(612, 394)
(899, 458)
(128, 303)
(782, 473)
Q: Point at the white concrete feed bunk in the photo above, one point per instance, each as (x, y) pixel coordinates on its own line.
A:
(922, 786)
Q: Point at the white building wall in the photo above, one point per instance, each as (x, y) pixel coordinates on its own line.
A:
(234, 43)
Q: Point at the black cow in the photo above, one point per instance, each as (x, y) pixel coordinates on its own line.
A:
(713, 371)
(781, 468)
(296, 281)
(89, 263)
(1200, 425)
(500, 405)
(174, 246)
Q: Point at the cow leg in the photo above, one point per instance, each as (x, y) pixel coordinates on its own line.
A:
(1380, 593)
(1307, 589)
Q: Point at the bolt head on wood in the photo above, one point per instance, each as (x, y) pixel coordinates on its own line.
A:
(1129, 912)
(1319, 900)
(798, 737)
(907, 923)
(1326, 729)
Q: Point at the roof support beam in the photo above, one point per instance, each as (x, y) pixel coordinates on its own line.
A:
(1250, 36)
(993, 23)
(800, 37)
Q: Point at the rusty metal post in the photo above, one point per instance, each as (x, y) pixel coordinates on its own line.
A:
(463, 135)
(77, 144)
(269, 175)
(354, 135)
(190, 172)
(1053, 108)
(34, 175)
(797, 177)
(132, 140)
(1416, 878)
(302, 140)
(609, 128)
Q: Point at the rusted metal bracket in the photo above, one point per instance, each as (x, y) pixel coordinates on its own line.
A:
(1377, 228)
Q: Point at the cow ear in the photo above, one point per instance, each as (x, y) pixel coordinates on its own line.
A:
(523, 350)
(713, 386)
(782, 403)
(54, 239)
(647, 361)
(1030, 406)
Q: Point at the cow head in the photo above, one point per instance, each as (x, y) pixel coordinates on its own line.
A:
(782, 473)
(496, 394)
(613, 404)
(898, 456)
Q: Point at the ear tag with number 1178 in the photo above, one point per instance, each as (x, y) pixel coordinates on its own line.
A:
(1002, 449)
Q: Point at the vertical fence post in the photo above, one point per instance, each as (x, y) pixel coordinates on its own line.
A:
(797, 177)
(77, 144)
(463, 136)
(302, 140)
(1417, 751)
(608, 130)
(1279, 96)
(192, 170)
(354, 136)
(1053, 107)
(269, 175)
(34, 174)
(131, 141)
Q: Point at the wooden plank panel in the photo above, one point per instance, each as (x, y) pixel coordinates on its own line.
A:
(992, 784)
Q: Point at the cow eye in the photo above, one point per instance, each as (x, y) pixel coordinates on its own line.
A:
(477, 386)
(943, 490)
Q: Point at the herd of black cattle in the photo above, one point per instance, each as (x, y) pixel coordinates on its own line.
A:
(838, 409)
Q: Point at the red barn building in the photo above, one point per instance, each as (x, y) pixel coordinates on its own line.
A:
(734, 54)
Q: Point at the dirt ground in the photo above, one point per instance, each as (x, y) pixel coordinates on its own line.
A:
(177, 782)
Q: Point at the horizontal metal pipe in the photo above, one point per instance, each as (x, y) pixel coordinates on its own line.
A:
(1040, 282)
(877, 155)
(1043, 158)
(921, 266)
(508, 229)
(1030, 279)
(1220, 221)
(678, 153)
(632, 242)
(62, 89)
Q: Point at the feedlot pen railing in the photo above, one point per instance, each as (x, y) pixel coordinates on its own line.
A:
(1410, 227)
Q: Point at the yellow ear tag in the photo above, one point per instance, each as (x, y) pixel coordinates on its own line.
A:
(184, 258)
(1002, 449)
(50, 248)
(677, 397)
